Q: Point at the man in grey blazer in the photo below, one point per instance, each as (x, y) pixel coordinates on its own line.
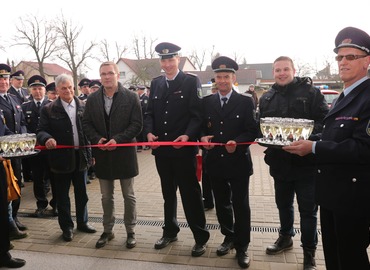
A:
(113, 116)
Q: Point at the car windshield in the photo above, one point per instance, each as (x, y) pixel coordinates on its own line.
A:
(330, 97)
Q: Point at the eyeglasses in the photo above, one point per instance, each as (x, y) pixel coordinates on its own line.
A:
(349, 57)
(109, 74)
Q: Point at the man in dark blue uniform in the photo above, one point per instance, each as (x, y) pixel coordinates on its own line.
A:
(6, 259)
(140, 90)
(84, 88)
(229, 118)
(174, 114)
(16, 88)
(39, 163)
(343, 156)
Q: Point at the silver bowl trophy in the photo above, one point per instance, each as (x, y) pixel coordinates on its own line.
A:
(279, 131)
(18, 145)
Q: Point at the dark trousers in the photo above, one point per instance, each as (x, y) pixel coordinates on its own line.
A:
(206, 184)
(41, 176)
(233, 210)
(62, 184)
(301, 184)
(345, 238)
(181, 173)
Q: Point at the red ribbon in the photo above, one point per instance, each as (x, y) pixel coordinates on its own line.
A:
(146, 144)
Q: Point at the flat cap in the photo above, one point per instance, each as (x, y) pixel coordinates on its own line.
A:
(50, 87)
(167, 50)
(94, 83)
(84, 82)
(354, 38)
(224, 64)
(19, 75)
(4, 71)
(36, 80)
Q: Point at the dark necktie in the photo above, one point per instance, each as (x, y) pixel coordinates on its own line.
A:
(20, 92)
(6, 98)
(341, 96)
(224, 100)
(38, 105)
(170, 83)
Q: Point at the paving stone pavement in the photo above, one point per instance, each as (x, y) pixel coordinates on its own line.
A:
(45, 240)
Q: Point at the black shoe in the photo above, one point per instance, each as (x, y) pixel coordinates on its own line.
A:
(104, 239)
(20, 226)
(309, 262)
(67, 235)
(12, 263)
(92, 176)
(40, 212)
(88, 181)
(284, 242)
(22, 184)
(198, 250)
(243, 259)
(164, 241)
(87, 228)
(131, 240)
(225, 247)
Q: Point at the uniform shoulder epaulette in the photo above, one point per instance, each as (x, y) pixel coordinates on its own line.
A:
(191, 74)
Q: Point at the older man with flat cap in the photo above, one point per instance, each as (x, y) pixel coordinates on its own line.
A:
(174, 115)
(229, 118)
(343, 157)
(39, 163)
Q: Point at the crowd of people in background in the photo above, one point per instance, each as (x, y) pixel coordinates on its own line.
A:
(330, 170)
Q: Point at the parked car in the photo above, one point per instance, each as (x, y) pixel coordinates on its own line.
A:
(330, 95)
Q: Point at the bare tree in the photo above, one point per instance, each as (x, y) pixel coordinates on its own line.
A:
(303, 69)
(106, 51)
(198, 58)
(69, 36)
(40, 36)
(143, 47)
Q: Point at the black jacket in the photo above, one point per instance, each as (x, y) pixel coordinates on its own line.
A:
(234, 122)
(55, 123)
(343, 155)
(174, 111)
(299, 99)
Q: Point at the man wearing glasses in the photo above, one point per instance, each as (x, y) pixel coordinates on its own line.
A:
(113, 116)
(343, 156)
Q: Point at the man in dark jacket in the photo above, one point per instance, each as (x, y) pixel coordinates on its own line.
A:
(113, 116)
(343, 156)
(174, 114)
(293, 97)
(229, 118)
(60, 124)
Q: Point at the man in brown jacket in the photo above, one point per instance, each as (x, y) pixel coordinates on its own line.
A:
(113, 116)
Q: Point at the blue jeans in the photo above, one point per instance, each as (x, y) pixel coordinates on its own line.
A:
(302, 183)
